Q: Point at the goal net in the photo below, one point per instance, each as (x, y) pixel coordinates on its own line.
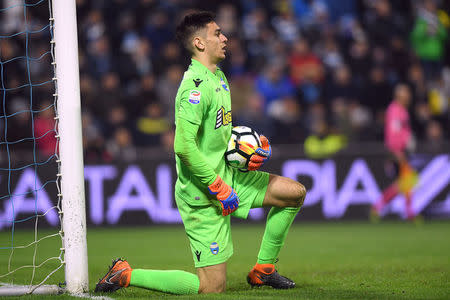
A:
(42, 218)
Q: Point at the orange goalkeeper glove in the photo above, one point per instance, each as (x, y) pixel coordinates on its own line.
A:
(225, 194)
(261, 155)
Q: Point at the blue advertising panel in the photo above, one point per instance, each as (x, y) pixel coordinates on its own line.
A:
(142, 193)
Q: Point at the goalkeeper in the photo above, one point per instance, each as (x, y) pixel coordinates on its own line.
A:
(207, 190)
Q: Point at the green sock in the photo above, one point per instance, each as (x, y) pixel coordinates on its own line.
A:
(279, 221)
(170, 281)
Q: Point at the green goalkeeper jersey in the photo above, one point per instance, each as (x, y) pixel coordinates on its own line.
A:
(203, 128)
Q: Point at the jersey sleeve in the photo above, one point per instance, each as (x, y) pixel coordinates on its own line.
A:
(194, 101)
(193, 106)
(187, 150)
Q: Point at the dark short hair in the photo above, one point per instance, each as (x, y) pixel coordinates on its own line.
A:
(190, 25)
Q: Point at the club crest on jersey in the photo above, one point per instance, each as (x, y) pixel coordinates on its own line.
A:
(214, 247)
(224, 85)
(194, 97)
(223, 118)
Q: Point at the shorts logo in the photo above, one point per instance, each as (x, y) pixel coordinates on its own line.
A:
(198, 253)
(223, 118)
(194, 97)
(224, 85)
(214, 248)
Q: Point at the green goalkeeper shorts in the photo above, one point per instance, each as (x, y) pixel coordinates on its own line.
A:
(208, 231)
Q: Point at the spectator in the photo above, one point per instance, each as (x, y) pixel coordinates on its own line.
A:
(12, 21)
(137, 61)
(243, 92)
(306, 71)
(321, 15)
(8, 50)
(227, 18)
(94, 27)
(378, 91)
(89, 92)
(399, 59)
(111, 94)
(360, 60)
(253, 115)
(144, 93)
(253, 24)
(341, 8)
(305, 66)
(286, 117)
(330, 54)
(341, 85)
(44, 128)
(383, 22)
(416, 79)
(303, 11)
(340, 119)
(273, 84)
(288, 57)
(322, 143)
(158, 30)
(93, 141)
(428, 37)
(435, 141)
(315, 113)
(151, 125)
(166, 89)
(422, 116)
(438, 98)
(127, 34)
(120, 146)
(170, 55)
(19, 125)
(100, 57)
(116, 118)
(286, 26)
(236, 64)
(360, 120)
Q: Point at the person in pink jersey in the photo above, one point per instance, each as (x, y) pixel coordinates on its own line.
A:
(398, 140)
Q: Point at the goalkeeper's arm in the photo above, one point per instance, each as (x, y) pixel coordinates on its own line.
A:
(186, 149)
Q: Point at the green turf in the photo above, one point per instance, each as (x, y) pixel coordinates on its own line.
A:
(327, 260)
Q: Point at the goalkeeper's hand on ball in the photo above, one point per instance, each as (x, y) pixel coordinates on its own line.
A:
(261, 155)
(225, 194)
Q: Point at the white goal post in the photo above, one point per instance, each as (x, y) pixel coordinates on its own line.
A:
(70, 146)
(70, 174)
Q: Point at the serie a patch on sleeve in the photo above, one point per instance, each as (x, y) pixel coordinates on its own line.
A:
(194, 96)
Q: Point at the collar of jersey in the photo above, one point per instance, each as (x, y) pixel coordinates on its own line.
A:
(201, 68)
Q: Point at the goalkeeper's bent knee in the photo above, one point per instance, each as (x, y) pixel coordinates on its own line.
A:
(301, 194)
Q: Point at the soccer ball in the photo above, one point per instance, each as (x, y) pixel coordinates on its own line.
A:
(241, 146)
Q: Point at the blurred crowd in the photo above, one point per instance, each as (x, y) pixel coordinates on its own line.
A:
(297, 68)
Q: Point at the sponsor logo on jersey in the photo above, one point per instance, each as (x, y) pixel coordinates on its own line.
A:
(194, 97)
(223, 118)
(222, 82)
(214, 247)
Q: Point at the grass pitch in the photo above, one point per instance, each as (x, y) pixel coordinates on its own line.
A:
(390, 260)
